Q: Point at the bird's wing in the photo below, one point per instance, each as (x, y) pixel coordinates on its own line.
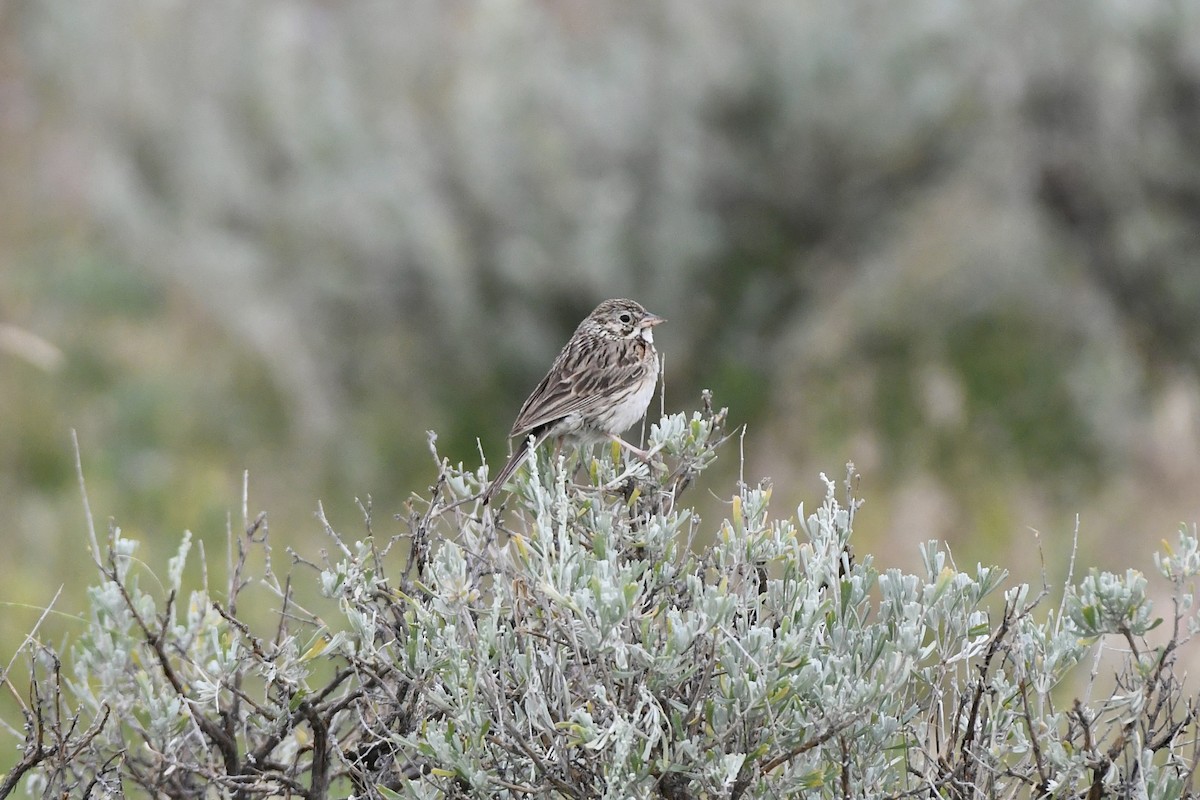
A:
(580, 380)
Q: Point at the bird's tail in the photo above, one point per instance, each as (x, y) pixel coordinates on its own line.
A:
(514, 461)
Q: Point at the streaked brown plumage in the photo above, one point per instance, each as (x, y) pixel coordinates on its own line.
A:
(600, 384)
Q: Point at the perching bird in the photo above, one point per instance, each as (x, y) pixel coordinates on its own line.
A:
(600, 384)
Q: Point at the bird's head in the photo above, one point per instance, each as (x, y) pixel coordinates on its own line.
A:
(623, 319)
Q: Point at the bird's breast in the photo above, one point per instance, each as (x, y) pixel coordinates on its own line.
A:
(631, 405)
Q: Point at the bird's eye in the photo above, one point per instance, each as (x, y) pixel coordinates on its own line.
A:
(625, 318)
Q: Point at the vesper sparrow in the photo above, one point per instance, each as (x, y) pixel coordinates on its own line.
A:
(600, 384)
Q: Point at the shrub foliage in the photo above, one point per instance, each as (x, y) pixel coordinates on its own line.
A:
(593, 637)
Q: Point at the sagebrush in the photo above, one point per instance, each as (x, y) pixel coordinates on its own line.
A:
(593, 637)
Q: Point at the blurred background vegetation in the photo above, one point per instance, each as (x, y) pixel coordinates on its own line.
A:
(956, 243)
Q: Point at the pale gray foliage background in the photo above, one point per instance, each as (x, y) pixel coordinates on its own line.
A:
(953, 242)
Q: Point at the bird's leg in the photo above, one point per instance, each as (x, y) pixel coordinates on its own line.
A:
(644, 455)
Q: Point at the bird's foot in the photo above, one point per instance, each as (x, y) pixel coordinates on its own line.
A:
(644, 455)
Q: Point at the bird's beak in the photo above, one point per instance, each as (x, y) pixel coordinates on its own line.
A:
(650, 320)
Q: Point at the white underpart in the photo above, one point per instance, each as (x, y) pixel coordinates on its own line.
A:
(632, 409)
(645, 334)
